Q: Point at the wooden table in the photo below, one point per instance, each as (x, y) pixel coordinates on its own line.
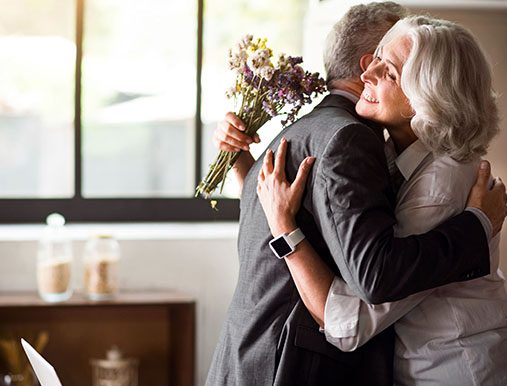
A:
(156, 327)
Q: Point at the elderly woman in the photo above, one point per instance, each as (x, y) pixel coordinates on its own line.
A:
(430, 86)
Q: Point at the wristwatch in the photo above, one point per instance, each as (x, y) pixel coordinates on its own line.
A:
(283, 245)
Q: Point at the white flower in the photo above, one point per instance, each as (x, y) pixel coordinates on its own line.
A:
(267, 72)
(258, 60)
(245, 42)
(238, 59)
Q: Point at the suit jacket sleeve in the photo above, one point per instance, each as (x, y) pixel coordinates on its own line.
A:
(352, 209)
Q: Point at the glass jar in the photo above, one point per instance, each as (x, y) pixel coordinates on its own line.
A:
(100, 260)
(54, 261)
(115, 370)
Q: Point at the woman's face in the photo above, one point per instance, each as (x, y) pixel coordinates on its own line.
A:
(382, 100)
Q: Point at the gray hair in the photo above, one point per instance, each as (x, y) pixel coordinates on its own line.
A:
(356, 34)
(447, 80)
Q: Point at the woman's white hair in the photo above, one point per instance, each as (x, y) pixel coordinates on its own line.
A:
(447, 81)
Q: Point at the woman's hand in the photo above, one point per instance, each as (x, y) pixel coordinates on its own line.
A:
(229, 135)
(279, 199)
(490, 198)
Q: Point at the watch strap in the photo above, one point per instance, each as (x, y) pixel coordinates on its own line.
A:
(285, 244)
(296, 236)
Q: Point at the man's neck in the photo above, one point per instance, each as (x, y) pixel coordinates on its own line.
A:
(354, 87)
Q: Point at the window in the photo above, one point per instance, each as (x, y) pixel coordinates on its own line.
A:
(37, 61)
(107, 106)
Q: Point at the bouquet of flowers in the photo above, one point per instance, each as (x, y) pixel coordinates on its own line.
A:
(262, 90)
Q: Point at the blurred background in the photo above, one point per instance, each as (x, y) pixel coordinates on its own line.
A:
(117, 99)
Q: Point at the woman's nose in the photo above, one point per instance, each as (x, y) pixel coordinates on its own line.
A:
(364, 77)
(369, 75)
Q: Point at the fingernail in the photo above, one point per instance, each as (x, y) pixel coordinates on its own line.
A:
(310, 160)
(257, 139)
(284, 140)
(249, 140)
(246, 148)
(484, 165)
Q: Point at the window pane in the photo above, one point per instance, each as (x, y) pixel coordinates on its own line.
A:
(37, 66)
(225, 23)
(139, 98)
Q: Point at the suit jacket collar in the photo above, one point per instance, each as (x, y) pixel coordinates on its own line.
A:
(334, 100)
(339, 101)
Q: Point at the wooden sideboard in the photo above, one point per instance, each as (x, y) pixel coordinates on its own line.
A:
(156, 327)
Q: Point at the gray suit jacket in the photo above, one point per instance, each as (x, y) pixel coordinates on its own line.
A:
(269, 338)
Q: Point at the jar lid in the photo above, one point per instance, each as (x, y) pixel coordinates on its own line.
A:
(55, 220)
(114, 359)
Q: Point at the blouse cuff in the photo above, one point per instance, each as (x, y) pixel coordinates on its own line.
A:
(341, 313)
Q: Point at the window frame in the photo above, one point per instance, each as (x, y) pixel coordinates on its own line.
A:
(80, 209)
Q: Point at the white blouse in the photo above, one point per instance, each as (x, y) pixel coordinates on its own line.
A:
(451, 335)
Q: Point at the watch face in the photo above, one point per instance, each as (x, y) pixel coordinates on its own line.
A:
(281, 247)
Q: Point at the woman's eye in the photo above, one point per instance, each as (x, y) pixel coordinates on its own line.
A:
(391, 76)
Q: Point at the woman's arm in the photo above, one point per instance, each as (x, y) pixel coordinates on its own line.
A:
(229, 136)
(348, 322)
(281, 201)
(312, 277)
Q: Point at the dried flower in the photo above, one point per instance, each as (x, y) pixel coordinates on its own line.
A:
(262, 90)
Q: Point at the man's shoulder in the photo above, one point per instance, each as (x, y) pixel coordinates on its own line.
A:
(329, 118)
(339, 129)
(336, 111)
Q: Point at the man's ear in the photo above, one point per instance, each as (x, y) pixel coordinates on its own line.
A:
(365, 61)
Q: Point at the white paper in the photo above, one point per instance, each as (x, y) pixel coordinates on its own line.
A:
(43, 369)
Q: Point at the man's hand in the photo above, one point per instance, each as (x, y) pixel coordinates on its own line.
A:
(229, 135)
(492, 200)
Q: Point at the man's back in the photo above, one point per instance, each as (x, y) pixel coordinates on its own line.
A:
(269, 337)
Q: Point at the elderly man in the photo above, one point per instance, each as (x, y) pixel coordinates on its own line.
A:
(269, 337)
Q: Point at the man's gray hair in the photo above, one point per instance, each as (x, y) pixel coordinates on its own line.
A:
(356, 34)
(448, 82)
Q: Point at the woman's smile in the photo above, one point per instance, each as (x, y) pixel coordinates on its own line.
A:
(367, 96)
